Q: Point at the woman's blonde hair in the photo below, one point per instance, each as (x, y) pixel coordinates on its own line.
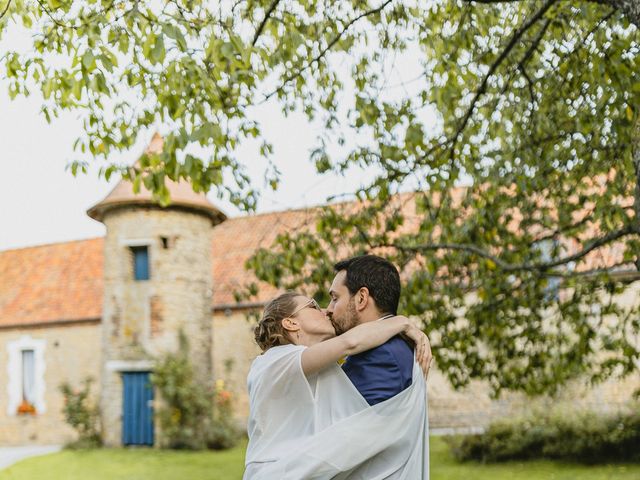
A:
(269, 331)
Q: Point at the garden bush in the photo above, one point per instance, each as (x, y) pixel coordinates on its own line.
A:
(192, 415)
(82, 414)
(585, 437)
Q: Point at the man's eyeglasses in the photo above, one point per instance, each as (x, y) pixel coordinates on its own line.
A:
(311, 303)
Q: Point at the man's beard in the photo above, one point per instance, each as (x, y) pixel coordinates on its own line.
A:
(349, 320)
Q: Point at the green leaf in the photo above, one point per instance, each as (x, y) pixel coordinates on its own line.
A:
(158, 51)
(88, 61)
(173, 32)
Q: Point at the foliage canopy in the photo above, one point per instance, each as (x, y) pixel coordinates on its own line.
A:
(536, 106)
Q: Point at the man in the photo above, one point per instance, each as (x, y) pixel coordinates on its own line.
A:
(365, 289)
(388, 439)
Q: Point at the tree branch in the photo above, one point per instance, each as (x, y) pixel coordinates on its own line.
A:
(629, 8)
(6, 9)
(510, 267)
(74, 27)
(326, 49)
(636, 165)
(566, 228)
(627, 273)
(527, 56)
(483, 85)
(267, 14)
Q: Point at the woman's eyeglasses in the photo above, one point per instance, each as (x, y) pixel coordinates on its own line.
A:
(311, 303)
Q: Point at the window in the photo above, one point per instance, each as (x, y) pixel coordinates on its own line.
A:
(140, 262)
(28, 375)
(26, 368)
(27, 405)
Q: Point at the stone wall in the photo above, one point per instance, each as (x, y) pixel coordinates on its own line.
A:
(468, 409)
(233, 351)
(71, 353)
(142, 318)
(233, 341)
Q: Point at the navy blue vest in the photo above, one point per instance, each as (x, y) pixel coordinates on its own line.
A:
(382, 372)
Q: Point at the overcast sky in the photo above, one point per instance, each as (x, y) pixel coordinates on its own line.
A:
(41, 202)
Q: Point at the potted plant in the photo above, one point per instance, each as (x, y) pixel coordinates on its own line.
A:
(26, 408)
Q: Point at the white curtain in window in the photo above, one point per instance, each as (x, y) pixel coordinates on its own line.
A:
(28, 376)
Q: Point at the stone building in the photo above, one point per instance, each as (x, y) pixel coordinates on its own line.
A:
(157, 283)
(106, 307)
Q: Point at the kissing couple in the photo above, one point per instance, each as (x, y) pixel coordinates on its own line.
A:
(312, 418)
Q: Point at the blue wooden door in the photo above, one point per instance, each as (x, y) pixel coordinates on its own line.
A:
(137, 417)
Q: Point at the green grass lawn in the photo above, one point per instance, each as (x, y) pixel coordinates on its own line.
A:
(148, 464)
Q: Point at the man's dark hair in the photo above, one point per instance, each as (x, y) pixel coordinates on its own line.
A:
(378, 275)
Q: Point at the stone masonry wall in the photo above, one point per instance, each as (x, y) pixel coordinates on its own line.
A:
(141, 319)
(233, 351)
(71, 354)
(471, 408)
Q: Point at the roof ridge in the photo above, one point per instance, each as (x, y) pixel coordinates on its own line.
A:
(300, 209)
(49, 244)
(240, 217)
(273, 212)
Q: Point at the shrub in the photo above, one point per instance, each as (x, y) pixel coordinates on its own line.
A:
(81, 414)
(224, 433)
(192, 415)
(586, 437)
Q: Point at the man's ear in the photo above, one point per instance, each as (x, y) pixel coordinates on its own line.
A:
(362, 299)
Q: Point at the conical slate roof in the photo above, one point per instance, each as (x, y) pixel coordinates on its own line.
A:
(182, 195)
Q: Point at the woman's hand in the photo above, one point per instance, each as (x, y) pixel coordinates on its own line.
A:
(422, 346)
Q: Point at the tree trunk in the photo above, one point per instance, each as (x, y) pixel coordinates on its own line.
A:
(635, 152)
(630, 8)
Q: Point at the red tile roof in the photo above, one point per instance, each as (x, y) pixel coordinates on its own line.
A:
(63, 281)
(49, 283)
(235, 240)
(182, 194)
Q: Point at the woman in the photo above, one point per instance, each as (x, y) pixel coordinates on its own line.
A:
(305, 414)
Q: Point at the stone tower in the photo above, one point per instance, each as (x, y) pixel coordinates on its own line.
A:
(157, 282)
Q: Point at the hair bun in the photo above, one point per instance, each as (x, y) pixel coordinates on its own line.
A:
(269, 331)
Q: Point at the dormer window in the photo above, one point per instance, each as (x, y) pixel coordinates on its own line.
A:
(140, 262)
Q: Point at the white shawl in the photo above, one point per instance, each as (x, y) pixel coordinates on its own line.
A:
(322, 428)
